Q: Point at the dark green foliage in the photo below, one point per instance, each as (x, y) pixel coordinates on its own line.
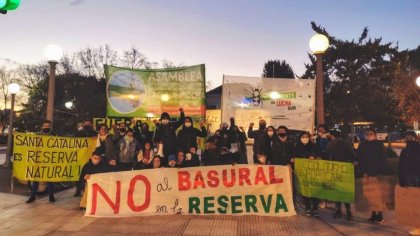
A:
(277, 69)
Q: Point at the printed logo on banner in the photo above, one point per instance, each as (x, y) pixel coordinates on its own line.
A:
(236, 190)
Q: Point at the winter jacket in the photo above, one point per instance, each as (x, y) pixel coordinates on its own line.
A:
(166, 134)
(127, 152)
(409, 162)
(371, 156)
(339, 150)
(281, 152)
(257, 135)
(187, 137)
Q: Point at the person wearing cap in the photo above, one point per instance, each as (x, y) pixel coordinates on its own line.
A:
(165, 134)
(338, 150)
(95, 165)
(172, 161)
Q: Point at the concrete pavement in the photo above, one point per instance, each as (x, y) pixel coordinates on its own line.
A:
(64, 218)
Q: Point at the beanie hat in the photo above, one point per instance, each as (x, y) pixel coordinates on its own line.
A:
(165, 115)
(171, 157)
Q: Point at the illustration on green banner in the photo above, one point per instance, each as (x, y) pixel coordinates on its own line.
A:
(149, 92)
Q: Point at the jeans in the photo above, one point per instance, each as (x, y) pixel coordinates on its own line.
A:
(34, 190)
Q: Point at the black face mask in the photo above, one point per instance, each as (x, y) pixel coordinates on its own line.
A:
(87, 127)
(282, 135)
(262, 126)
(46, 130)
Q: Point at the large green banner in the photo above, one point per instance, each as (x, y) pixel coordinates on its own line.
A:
(149, 92)
(329, 180)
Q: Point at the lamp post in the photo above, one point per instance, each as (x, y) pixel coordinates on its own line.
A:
(318, 44)
(53, 53)
(13, 88)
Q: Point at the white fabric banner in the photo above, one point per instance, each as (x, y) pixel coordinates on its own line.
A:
(231, 190)
(288, 102)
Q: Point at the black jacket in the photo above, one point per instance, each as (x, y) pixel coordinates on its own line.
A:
(257, 135)
(187, 137)
(167, 135)
(339, 150)
(371, 156)
(86, 133)
(305, 151)
(211, 157)
(409, 163)
(90, 169)
(267, 146)
(281, 152)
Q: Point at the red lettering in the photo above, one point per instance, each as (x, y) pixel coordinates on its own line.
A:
(199, 180)
(184, 182)
(130, 198)
(260, 176)
(244, 175)
(232, 176)
(213, 180)
(115, 206)
(273, 179)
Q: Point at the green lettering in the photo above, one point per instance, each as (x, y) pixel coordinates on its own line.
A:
(193, 204)
(235, 203)
(208, 204)
(281, 204)
(250, 201)
(222, 201)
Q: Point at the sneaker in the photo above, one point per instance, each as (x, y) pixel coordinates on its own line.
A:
(308, 213)
(52, 198)
(337, 214)
(372, 218)
(379, 219)
(349, 216)
(31, 199)
(315, 213)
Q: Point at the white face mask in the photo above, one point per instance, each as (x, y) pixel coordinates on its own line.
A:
(270, 133)
(187, 124)
(304, 140)
(165, 121)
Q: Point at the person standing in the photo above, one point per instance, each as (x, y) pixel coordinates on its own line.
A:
(339, 150)
(187, 136)
(257, 135)
(45, 130)
(87, 130)
(282, 148)
(128, 148)
(371, 161)
(165, 134)
(306, 149)
(269, 139)
(409, 162)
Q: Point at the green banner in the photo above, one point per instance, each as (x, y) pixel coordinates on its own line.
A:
(329, 180)
(149, 92)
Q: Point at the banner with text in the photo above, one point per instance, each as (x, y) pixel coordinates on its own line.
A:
(212, 190)
(288, 102)
(329, 180)
(149, 92)
(50, 158)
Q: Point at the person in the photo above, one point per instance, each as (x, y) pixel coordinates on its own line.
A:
(46, 129)
(187, 136)
(322, 139)
(191, 158)
(144, 157)
(237, 139)
(371, 161)
(120, 131)
(304, 148)
(95, 165)
(211, 155)
(257, 135)
(165, 134)
(172, 161)
(87, 130)
(282, 147)
(339, 150)
(156, 162)
(262, 158)
(106, 147)
(143, 134)
(128, 148)
(180, 158)
(409, 162)
(269, 139)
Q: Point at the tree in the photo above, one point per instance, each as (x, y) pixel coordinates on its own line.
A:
(358, 79)
(133, 58)
(277, 69)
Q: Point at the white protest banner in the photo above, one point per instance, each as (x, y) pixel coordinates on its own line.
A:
(212, 190)
(287, 102)
(407, 201)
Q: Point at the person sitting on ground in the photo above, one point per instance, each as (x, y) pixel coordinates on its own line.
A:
(94, 166)
(339, 150)
(128, 150)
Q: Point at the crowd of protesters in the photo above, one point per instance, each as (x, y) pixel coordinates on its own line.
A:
(173, 144)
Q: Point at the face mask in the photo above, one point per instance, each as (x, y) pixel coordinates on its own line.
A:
(87, 127)
(304, 140)
(46, 130)
(128, 139)
(80, 128)
(122, 130)
(187, 124)
(262, 126)
(282, 135)
(270, 133)
(165, 121)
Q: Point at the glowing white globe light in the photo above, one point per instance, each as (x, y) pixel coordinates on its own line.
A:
(53, 53)
(318, 43)
(68, 104)
(14, 88)
(418, 81)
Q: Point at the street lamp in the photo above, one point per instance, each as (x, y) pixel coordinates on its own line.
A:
(13, 88)
(69, 105)
(318, 44)
(53, 53)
